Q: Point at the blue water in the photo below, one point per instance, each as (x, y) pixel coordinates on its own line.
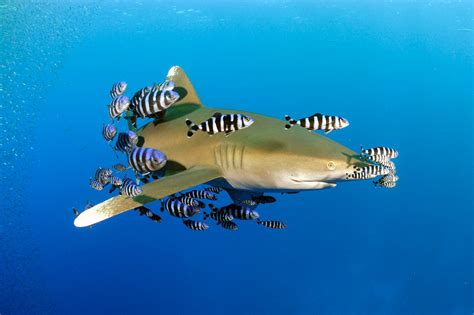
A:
(400, 71)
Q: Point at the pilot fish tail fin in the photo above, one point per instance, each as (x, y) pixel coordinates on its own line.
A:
(184, 87)
(192, 128)
(291, 122)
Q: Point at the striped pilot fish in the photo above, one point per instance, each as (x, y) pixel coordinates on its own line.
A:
(240, 212)
(164, 86)
(195, 225)
(178, 209)
(118, 106)
(156, 101)
(201, 194)
(387, 181)
(109, 131)
(102, 175)
(272, 224)
(116, 182)
(263, 199)
(382, 160)
(118, 89)
(227, 123)
(228, 225)
(388, 152)
(130, 189)
(213, 189)
(149, 214)
(119, 167)
(138, 96)
(126, 141)
(375, 170)
(318, 122)
(94, 183)
(191, 201)
(218, 215)
(146, 160)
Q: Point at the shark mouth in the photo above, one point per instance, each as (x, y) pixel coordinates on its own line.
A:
(313, 183)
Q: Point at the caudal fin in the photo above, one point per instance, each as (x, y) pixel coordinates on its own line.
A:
(192, 128)
(291, 122)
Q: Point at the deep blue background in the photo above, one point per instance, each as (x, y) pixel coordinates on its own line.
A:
(400, 72)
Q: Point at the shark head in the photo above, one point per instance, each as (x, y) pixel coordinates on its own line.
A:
(276, 159)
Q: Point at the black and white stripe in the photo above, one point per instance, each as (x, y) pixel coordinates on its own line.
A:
(178, 209)
(240, 212)
(146, 160)
(149, 214)
(195, 225)
(156, 101)
(118, 89)
(130, 188)
(387, 181)
(109, 131)
(272, 224)
(226, 123)
(201, 194)
(385, 151)
(126, 141)
(318, 122)
(118, 106)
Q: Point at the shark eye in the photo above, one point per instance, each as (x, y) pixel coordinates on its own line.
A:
(331, 165)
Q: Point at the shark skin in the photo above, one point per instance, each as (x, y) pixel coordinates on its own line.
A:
(264, 157)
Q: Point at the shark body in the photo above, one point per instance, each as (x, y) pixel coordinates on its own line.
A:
(261, 158)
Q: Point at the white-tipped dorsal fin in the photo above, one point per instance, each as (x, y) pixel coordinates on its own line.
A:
(179, 77)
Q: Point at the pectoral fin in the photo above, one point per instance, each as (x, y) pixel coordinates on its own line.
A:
(156, 190)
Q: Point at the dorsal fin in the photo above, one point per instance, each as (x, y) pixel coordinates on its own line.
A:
(178, 76)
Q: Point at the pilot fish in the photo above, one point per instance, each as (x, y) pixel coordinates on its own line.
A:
(218, 215)
(146, 160)
(382, 160)
(375, 170)
(156, 101)
(196, 225)
(118, 106)
(228, 225)
(384, 151)
(94, 183)
(213, 189)
(126, 141)
(240, 212)
(119, 167)
(109, 131)
(118, 89)
(138, 96)
(130, 188)
(102, 175)
(201, 194)
(178, 209)
(272, 224)
(149, 214)
(318, 122)
(116, 182)
(191, 201)
(227, 123)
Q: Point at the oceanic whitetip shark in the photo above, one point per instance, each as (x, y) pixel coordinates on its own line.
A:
(261, 158)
